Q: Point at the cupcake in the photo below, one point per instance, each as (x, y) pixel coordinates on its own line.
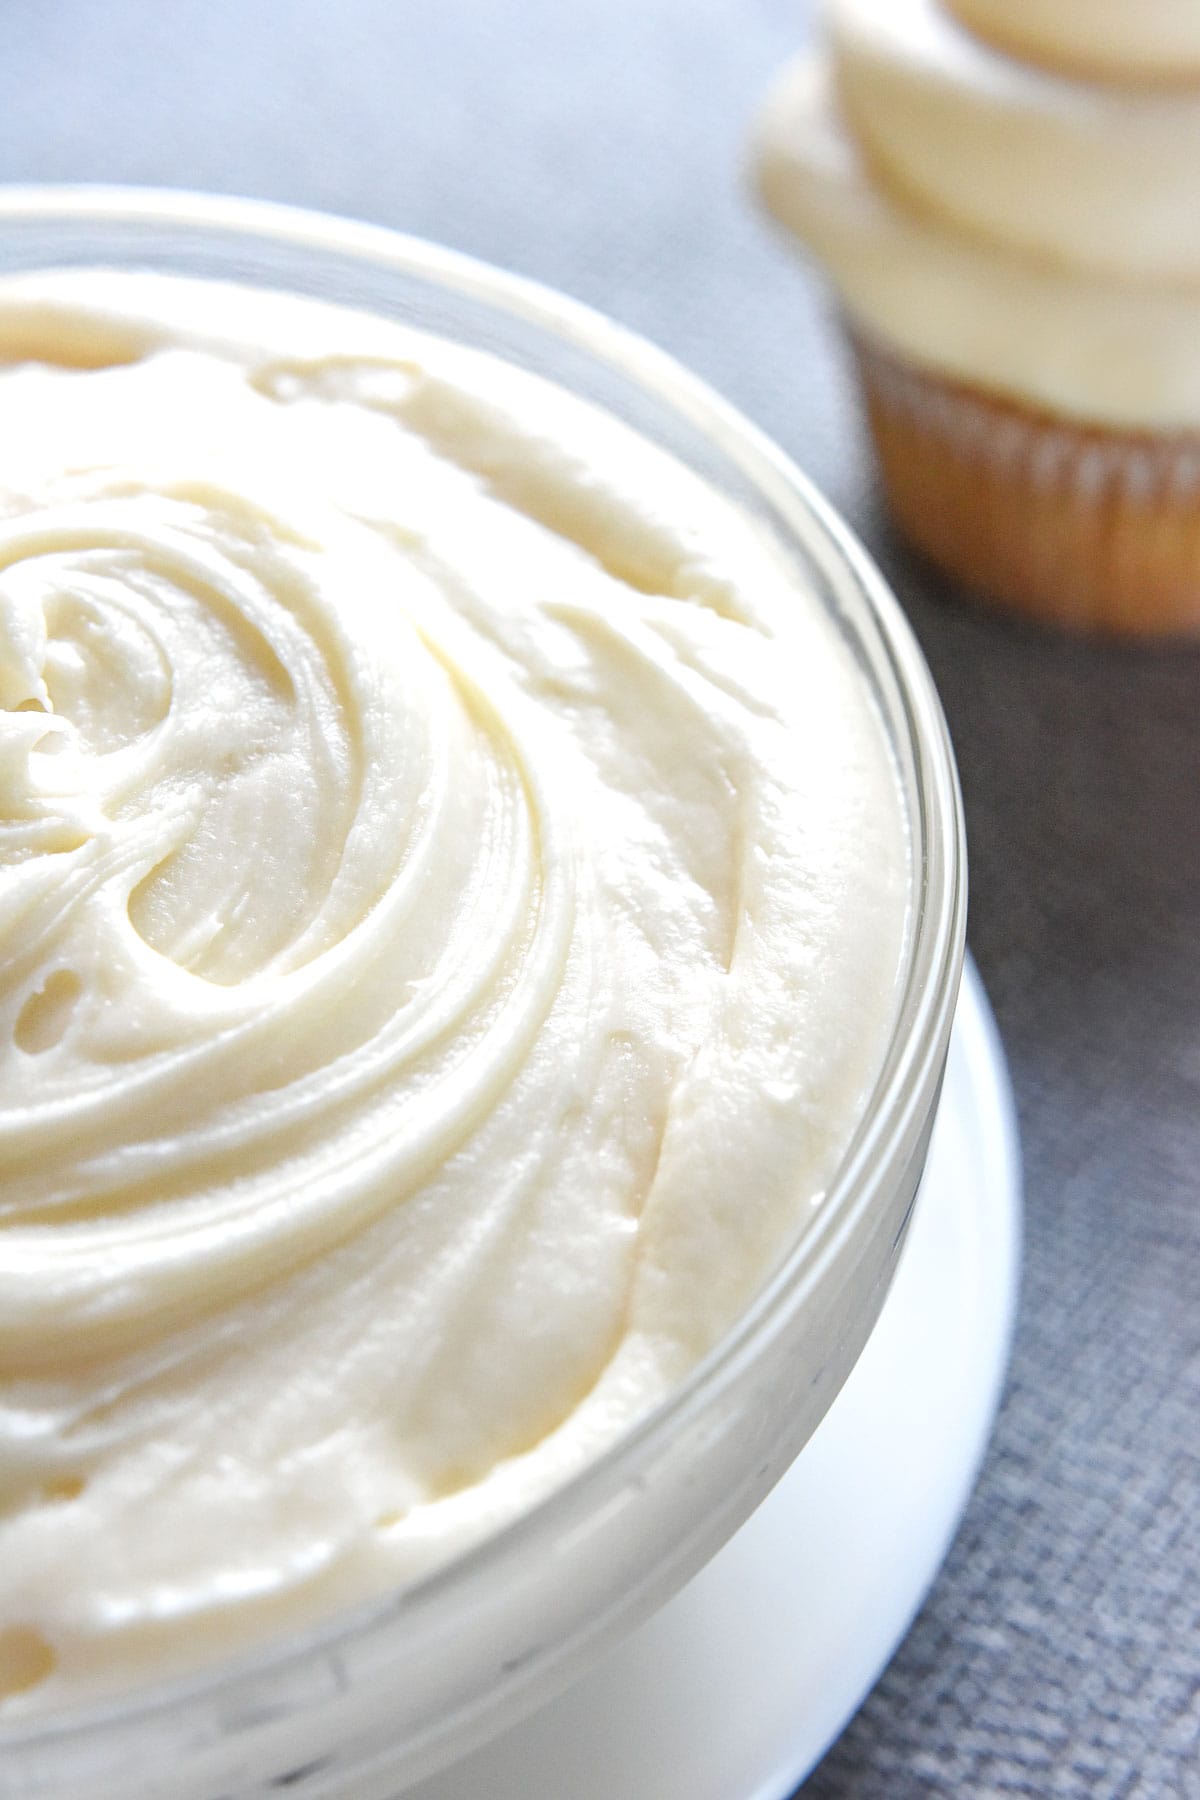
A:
(1004, 192)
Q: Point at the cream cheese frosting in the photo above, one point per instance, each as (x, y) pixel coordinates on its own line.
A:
(1031, 232)
(1122, 40)
(452, 883)
(1065, 170)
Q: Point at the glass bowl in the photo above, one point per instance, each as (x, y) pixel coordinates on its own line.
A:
(382, 1694)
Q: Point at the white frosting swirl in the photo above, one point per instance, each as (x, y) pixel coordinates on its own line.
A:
(451, 888)
(1121, 40)
(1064, 170)
(1035, 233)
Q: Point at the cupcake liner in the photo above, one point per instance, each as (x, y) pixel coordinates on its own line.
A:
(1078, 525)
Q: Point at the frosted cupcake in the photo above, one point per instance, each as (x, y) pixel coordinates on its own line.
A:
(1005, 193)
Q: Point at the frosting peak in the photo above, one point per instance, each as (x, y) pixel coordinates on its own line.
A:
(1059, 169)
(1025, 230)
(1155, 40)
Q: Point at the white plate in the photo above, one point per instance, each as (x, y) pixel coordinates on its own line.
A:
(739, 1685)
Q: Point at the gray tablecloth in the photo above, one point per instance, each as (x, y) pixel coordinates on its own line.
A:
(600, 148)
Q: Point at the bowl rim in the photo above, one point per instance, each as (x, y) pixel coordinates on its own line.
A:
(934, 950)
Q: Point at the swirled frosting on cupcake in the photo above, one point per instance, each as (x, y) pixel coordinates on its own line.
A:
(1119, 40)
(1027, 226)
(451, 890)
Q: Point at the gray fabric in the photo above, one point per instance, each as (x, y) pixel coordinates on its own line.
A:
(599, 147)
